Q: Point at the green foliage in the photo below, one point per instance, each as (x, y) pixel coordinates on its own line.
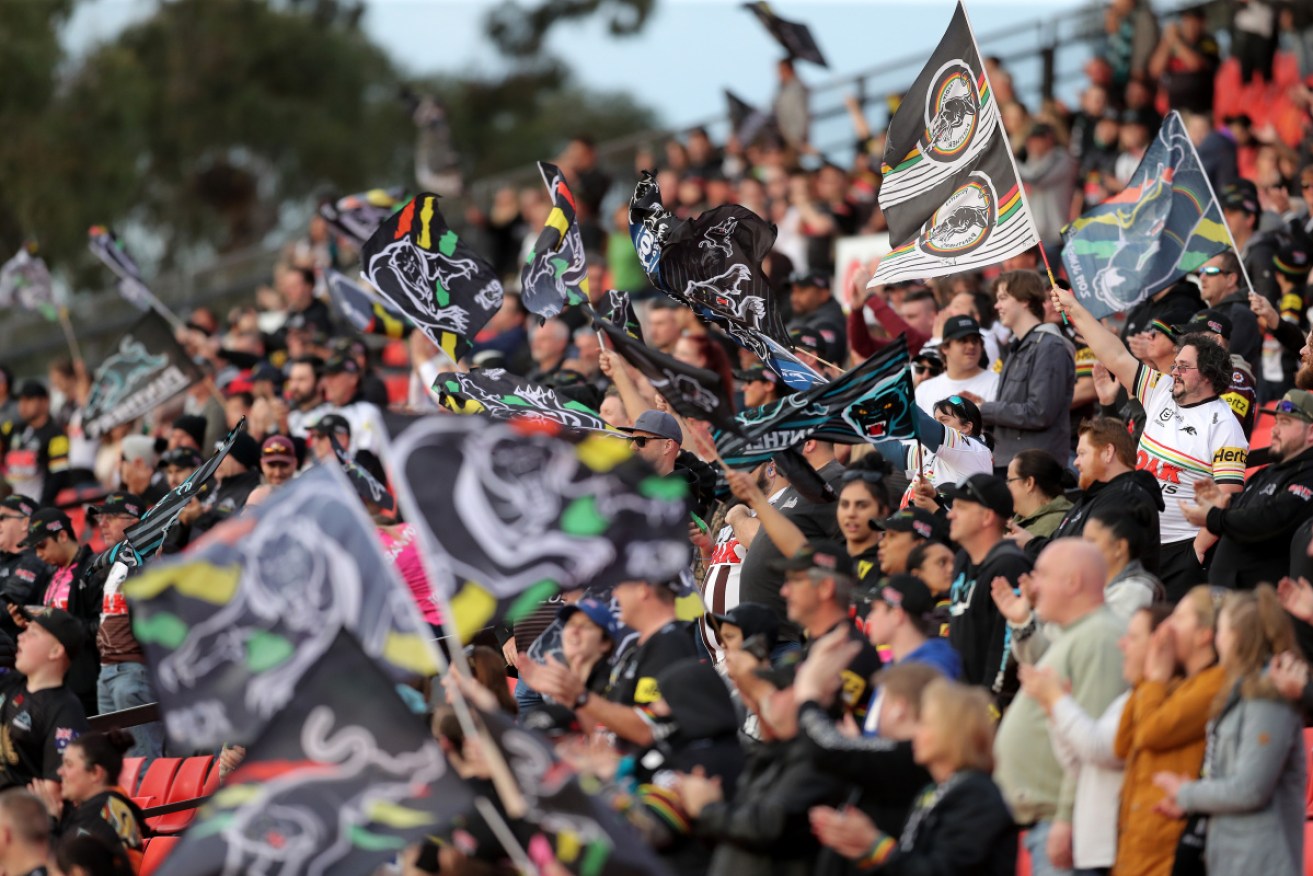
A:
(518, 31)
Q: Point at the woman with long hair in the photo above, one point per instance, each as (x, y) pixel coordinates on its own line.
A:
(1252, 790)
(702, 351)
(1163, 728)
(1035, 481)
(1123, 538)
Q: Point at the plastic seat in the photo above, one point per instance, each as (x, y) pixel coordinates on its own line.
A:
(211, 779)
(1308, 782)
(131, 773)
(1023, 856)
(395, 355)
(188, 784)
(159, 775)
(157, 849)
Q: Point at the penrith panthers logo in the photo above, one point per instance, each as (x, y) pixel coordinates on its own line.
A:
(952, 113)
(965, 221)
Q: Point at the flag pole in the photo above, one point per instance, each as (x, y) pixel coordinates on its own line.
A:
(1212, 194)
(71, 339)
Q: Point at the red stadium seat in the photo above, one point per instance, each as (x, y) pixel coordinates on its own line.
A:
(159, 775)
(188, 784)
(395, 355)
(212, 779)
(131, 773)
(398, 386)
(1308, 782)
(157, 849)
(1023, 856)
(1308, 847)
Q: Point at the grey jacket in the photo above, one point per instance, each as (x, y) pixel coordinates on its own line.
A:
(1254, 790)
(1034, 397)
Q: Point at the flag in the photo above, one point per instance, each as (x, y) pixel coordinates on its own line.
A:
(980, 220)
(366, 312)
(745, 120)
(693, 392)
(794, 37)
(419, 264)
(1163, 225)
(650, 225)
(232, 626)
(619, 311)
(868, 403)
(573, 827)
(105, 245)
(556, 272)
(504, 396)
(795, 373)
(514, 512)
(367, 486)
(25, 281)
(148, 368)
(358, 216)
(340, 781)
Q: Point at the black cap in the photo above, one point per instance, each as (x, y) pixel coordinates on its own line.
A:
(917, 521)
(818, 279)
(32, 389)
(807, 339)
(825, 556)
(267, 371)
(1144, 117)
(246, 450)
(194, 425)
(1241, 195)
(1210, 320)
(1294, 257)
(46, 523)
(341, 364)
(988, 490)
(1040, 129)
(907, 592)
(119, 503)
(756, 373)
(960, 327)
(66, 629)
(19, 504)
(332, 423)
(182, 457)
(753, 619)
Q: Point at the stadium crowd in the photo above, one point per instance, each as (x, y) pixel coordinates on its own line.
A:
(1073, 626)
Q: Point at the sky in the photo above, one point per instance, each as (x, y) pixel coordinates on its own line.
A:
(688, 52)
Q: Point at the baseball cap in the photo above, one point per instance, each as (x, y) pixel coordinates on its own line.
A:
(44, 524)
(907, 592)
(1040, 129)
(330, 423)
(988, 490)
(826, 556)
(1241, 195)
(756, 373)
(32, 389)
(659, 423)
(597, 612)
(818, 279)
(753, 619)
(1294, 257)
(960, 327)
(267, 371)
(807, 339)
(182, 457)
(278, 448)
(1209, 320)
(19, 504)
(341, 364)
(246, 450)
(66, 629)
(1143, 117)
(915, 520)
(119, 503)
(1297, 403)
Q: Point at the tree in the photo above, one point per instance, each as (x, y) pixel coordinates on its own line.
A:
(520, 32)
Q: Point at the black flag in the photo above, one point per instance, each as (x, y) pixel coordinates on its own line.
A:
(619, 311)
(358, 216)
(148, 369)
(367, 486)
(795, 37)
(504, 396)
(341, 781)
(693, 392)
(745, 120)
(442, 285)
(366, 312)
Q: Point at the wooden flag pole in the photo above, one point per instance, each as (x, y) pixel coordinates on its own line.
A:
(71, 339)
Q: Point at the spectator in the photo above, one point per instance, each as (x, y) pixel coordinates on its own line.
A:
(904, 531)
(949, 449)
(277, 460)
(1035, 387)
(89, 802)
(588, 643)
(341, 387)
(960, 824)
(792, 115)
(1253, 789)
(901, 617)
(1068, 582)
(139, 469)
(961, 350)
(817, 310)
(1162, 729)
(24, 834)
(1220, 282)
(238, 474)
(297, 286)
(663, 329)
(1254, 32)
(88, 856)
(35, 447)
(1185, 63)
(1035, 479)
(23, 576)
(1242, 395)
(1132, 33)
(760, 386)
(549, 344)
(304, 399)
(1049, 174)
(656, 436)
(1187, 436)
(1122, 536)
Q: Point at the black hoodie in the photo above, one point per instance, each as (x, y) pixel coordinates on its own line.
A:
(1132, 489)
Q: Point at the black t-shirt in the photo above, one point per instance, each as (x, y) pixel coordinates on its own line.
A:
(35, 728)
(633, 676)
(855, 693)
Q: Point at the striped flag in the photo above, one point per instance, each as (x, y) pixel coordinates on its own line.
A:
(950, 192)
(556, 272)
(1162, 226)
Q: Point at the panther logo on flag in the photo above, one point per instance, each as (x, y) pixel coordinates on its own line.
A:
(963, 224)
(952, 112)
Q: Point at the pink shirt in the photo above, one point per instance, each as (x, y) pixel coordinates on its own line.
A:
(399, 545)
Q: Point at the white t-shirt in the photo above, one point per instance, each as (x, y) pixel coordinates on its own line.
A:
(1184, 444)
(984, 384)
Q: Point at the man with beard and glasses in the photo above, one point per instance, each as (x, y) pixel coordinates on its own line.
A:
(1190, 434)
(1255, 527)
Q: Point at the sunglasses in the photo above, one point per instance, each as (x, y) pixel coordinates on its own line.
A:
(1212, 271)
(643, 441)
(925, 369)
(277, 463)
(1286, 406)
(870, 477)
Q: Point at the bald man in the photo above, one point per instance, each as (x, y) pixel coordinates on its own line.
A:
(1067, 588)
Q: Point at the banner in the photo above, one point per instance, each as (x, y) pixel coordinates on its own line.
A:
(341, 780)
(745, 120)
(650, 225)
(366, 312)
(518, 511)
(232, 626)
(147, 370)
(105, 245)
(556, 272)
(794, 37)
(871, 402)
(442, 286)
(358, 216)
(25, 281)
(619, 311)
(1163, 225)
(504, 396)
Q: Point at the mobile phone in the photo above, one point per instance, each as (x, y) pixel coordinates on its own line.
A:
(22, 609)
(756, 646)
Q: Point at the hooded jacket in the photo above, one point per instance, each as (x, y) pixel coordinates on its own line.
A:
(1034, 397)
(1132, 489)
(1257, 527)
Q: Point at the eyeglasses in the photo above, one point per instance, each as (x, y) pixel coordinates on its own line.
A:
(1178, 368)
(12, 517)
(1014, 480)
